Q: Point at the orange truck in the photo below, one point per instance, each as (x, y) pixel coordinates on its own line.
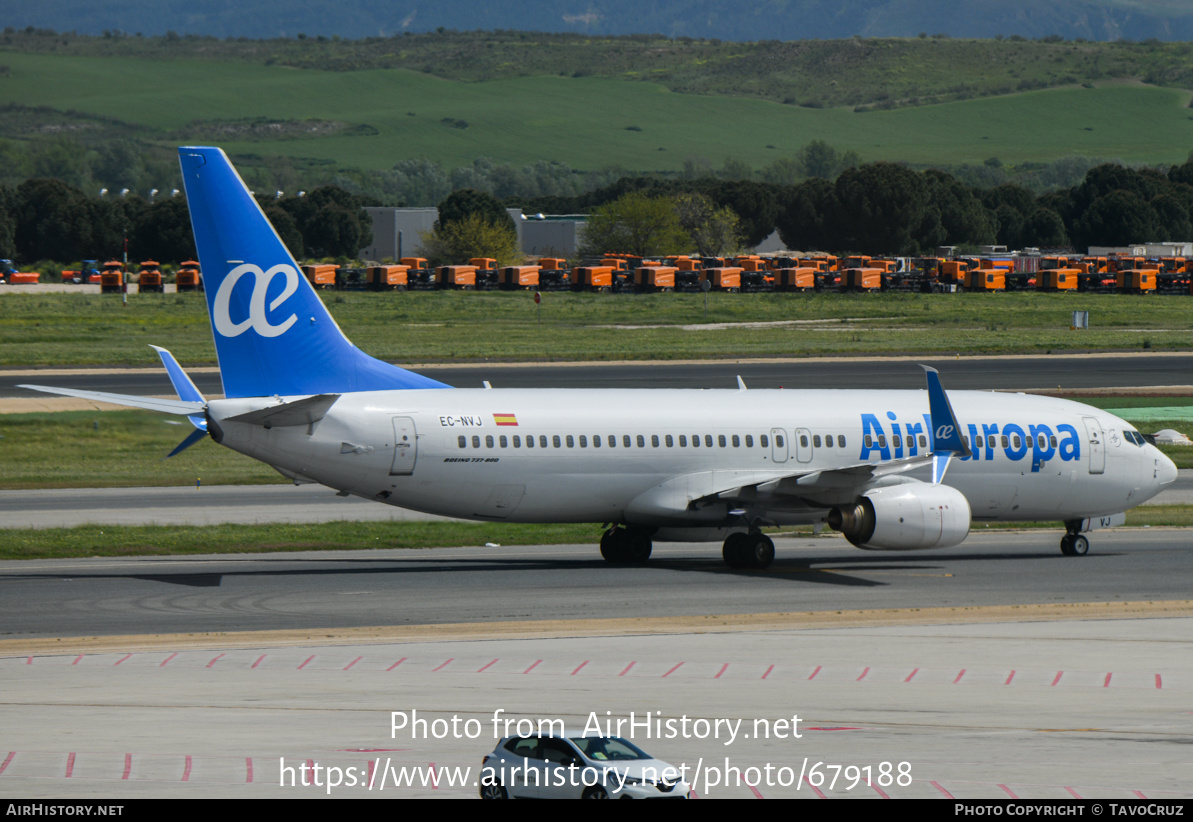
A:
(985, 279)
(862, 279)
(387, 277)
(724, 278)
(519, 276)
(1136, 280)
(456, 276)
(592, 278)
(420, 275)
(554, 273)
(655, 278)
(188, 277)
(112, 278)
(486, 272)
(1058, 279)
(149, 278)
(796, 279)
(321, 276)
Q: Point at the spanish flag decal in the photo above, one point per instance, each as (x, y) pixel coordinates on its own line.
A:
(505, 419)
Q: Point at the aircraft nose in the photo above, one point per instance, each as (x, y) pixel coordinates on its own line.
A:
(1165, 470)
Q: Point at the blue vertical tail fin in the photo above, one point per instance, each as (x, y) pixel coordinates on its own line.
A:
(273, 334)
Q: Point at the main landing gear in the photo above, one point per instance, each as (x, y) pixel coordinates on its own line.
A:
(749, 550)
(622, 546)
(1073, 543)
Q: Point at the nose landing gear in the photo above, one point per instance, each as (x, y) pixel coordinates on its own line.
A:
(1073, 543)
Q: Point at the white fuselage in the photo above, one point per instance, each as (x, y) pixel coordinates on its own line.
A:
(646, 457)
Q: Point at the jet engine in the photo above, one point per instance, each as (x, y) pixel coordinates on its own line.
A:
(904, 517)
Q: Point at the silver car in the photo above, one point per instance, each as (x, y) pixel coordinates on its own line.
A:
(577, 766)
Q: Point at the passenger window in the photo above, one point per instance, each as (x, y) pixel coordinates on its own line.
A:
(463, 441)
(596, 441)
(612, 441)
(517, 441)
(708, 440)
(815, 440)
(654, 440)
(736, 441)
(1016, 438)
(669, 441)
(869, 441)
(1052, 441)
(502, 441)
(555, 440)
(749, 440)
(721, 440)
(683, 440)
(571, 442)
(841, 440)
(882, 440)
(1006, 443)
(476, 441)
(779, 440)
(583, 441)
(762, 440)
(530, 440)
(695, 440)
(803, 440)
(489, 441)
(625, 440)
(641, 441)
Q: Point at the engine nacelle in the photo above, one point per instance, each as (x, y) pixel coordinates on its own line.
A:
(905, 517)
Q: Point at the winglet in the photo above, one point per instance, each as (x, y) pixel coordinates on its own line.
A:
(946, 431)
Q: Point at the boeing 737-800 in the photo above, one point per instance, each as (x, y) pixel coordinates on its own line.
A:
(892, 470)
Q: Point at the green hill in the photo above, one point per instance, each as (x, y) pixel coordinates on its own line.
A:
(374, 118)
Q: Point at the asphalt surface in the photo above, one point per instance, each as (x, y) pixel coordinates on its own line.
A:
(1094, 371)
(114, 596)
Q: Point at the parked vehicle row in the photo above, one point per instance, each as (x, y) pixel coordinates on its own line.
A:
(753, 273)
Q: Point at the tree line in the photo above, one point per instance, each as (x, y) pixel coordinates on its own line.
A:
(874, 208)
(49, 220)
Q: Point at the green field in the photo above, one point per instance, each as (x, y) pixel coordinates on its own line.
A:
(389, 115)
(89, 329)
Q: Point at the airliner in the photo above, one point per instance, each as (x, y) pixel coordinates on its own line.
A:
(891, 470)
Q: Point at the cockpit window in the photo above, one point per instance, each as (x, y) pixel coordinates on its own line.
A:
(1135, 437)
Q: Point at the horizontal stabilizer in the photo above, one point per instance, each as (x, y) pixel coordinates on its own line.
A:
(180, 407)
(299, 412)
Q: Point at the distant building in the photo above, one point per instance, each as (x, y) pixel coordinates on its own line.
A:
(397, 231)
(1169, 249)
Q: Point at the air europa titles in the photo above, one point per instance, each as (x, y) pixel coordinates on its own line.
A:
(1013, 440)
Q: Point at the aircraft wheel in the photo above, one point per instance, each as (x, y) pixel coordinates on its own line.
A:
(637, 548)
(732, 551)
(759, 551)
(1079, 546)
(1066, 545)
(615, 546)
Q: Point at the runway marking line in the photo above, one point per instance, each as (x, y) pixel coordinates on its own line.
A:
(1010, 677)
(7, 760)
(1074, 793)
(396, 664)
(627, 668)
(444, 665)
(578, 667)
(1010, 793)
(960, 674)
(910, 675)
(532, 667)
(1059, 674)
(248, 769)
(1157, 682)
(669, 673)
(724, 668)
(483, 668)
(70, 765)
(616, 626)
(942, 790)
(305, 661)
(768, 670)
